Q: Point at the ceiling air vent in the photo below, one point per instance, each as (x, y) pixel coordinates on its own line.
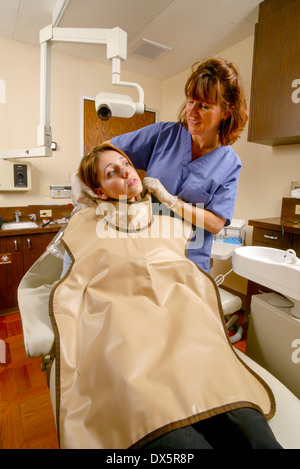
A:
(148, 49)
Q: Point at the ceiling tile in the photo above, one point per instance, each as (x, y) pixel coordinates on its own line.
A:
(193, 29)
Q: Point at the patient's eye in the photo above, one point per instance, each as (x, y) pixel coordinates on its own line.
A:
(110, 173)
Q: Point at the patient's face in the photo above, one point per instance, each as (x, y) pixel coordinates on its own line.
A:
(117, 177)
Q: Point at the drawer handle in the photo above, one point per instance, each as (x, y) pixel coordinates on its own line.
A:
(270, 237)
(29, 243)
(16, 245)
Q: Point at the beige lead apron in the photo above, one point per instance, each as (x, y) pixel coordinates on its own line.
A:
(142, 346)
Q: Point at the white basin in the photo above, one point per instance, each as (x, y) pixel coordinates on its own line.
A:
(268, 267)
(21, 225)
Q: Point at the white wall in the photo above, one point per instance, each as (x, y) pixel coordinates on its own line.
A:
(19, 116)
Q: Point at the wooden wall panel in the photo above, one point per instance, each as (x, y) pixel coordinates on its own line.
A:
(97, 131)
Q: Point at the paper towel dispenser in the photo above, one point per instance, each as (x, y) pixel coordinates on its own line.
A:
(15, 176)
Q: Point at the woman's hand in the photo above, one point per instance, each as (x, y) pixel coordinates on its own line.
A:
(156, 188)
(195, 215)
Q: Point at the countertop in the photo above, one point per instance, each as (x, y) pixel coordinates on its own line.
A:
(54, 228)
(290, 225)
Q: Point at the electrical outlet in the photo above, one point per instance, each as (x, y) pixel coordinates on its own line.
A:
(297, 210)
(45, 213)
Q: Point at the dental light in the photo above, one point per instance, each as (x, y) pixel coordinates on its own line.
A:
(111, 104)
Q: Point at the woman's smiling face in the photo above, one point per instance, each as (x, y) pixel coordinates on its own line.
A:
(117, 177)
(203, 119)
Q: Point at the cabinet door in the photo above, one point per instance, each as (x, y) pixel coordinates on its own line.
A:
(274, 107)
(11, 270)
(34, 245)
(271, 238)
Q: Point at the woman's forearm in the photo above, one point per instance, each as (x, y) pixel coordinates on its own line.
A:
(195, 215)
(199, 217)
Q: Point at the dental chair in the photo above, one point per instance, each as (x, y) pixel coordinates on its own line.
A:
(39, 341)
(230, 305)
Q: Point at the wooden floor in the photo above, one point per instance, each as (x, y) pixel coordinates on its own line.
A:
(26, 417)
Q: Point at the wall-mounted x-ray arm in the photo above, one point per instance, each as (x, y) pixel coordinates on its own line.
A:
(116, 105)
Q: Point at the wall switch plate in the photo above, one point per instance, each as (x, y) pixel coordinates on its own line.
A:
(297, 209)
(46, 191)
(45, 213)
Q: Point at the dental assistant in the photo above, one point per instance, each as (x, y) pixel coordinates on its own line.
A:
(192, 159)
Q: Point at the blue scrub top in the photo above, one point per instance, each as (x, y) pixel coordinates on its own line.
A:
(164, 151)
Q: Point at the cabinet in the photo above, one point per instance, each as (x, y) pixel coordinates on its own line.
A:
(271, 232)
(275, 89)
(17, 254)
(273, 336)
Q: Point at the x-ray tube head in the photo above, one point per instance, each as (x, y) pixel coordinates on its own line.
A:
(118, 105)
(104, 112)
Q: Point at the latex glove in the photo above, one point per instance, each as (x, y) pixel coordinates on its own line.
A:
(156, 188)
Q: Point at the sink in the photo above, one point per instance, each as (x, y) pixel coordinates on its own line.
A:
(21, 225)
(273, 268)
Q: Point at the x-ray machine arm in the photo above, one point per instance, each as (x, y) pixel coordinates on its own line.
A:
(116, 41)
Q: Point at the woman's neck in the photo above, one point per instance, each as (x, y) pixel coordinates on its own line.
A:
(201, 147)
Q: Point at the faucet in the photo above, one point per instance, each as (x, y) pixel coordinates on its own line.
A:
(293, 256)
(17, 216)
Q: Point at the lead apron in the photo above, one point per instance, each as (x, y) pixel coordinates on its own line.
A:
(142, 347)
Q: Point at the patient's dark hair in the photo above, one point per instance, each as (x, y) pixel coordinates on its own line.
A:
(217, 81)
